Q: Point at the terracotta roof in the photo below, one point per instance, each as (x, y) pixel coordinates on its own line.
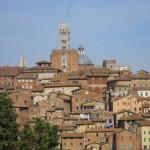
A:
(84, 122)
(72, 135)
(77, 78)
(38, 69)
(96, 75)
(85, 89)
(146, 105)
(67, 129)
(144, 123)
(27, 76)
(103, 130)
(99, 71)
(70, 119)
(140, 76)
(61, 85)
(120, 79)
(99, 120)
(8, 71)
(131, 117)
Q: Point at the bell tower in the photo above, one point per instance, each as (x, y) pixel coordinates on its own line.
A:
(64, 36)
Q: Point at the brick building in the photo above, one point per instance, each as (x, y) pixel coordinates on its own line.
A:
(67, 60)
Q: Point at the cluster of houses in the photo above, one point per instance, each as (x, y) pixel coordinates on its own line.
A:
(95, 108)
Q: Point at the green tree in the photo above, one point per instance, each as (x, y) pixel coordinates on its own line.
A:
(43, 136)
(53, 136)
(27, 138)
(8, 125)
(46, 135)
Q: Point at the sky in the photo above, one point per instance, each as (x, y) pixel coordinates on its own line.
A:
(108, 29)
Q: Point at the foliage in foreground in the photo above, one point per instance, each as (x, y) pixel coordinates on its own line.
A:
(8, 125)
(42, 136)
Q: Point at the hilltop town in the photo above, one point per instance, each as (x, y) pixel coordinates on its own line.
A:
(95, 107)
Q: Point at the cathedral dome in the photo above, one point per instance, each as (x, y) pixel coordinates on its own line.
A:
(83, 59)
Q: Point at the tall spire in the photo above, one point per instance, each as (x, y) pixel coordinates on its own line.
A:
(64, 36)
(22, 62)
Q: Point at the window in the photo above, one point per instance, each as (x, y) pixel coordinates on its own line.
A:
(97, 134)
(76, 99)
(121, 138)
(135, 109)
(25, 101)
(146, 94)
(23, 109)
(64, 60)
(64, 41)
(144, 139)
(145, 147)
(148, 132)
(64, 47)
(144, 132)
(16, 97)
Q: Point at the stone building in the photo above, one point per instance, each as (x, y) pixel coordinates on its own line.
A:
(26, 81)
(140, 79)
(131, 102)
(74, 141)
(21, 101)
(8, 76)
(144, 133)
(122, 140)
(111, 64)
